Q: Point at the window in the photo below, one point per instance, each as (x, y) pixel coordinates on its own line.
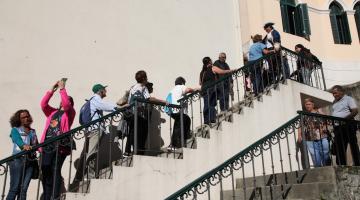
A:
(357, 17)
(295, 18)
(339, 24)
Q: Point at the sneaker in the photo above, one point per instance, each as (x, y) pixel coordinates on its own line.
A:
(170, 148)
(126, 154)
(74, 186)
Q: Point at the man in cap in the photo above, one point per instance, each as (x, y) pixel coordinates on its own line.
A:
(97, 107)
(272, 41)
(97, 104)
(272, 35)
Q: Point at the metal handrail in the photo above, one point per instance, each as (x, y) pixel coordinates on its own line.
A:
(65, 135)
(185, 191)
(228, 163)
(85, 126)
(245, 68)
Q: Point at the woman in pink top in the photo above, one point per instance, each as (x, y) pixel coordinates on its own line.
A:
(59, 121)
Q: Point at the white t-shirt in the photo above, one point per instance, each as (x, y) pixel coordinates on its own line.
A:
(176, 94)
(140, 89)
(269, 37)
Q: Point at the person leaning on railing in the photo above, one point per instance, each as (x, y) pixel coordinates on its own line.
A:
(139, 91)
(91, 144)
(345, 107)
(256, 51)
(316, 136)
(226, 87)
(58, 121)
(272, 40)
(207, 77)
(304, 64)
(176, 93)
(23, 138)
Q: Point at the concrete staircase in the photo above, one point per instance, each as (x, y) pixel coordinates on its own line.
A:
(319, 183)
(158, 177)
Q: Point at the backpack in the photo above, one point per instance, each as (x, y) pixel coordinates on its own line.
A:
(85, 113)
(142, 107)
(168, 110)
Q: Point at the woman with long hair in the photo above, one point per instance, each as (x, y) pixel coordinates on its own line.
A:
(23, 138)
(208, 75)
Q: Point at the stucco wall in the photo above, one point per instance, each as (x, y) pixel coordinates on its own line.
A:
(106, 42)
(341, 62)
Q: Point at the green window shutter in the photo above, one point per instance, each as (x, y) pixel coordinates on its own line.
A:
(335, 29)
(346, 29)
(303, 12)
(357, 20)
(285, 18)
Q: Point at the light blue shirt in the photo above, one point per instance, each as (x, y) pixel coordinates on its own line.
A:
(98, 104)
(256, 51)
(20, 138)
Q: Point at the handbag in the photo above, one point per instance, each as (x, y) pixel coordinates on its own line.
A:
(33, 162)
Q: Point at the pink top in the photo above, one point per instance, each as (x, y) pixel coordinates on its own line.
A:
(67, 118)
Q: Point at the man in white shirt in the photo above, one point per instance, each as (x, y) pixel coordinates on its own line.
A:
(345, 107)
(174, 96)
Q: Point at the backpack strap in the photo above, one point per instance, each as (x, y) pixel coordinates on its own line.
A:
(96, 111)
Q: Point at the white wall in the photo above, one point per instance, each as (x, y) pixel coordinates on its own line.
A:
(91, 41)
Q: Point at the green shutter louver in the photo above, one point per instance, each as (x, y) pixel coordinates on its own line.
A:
(302, 9)
(285, 18)
(335, 29)
(357, 18)
(346, 29)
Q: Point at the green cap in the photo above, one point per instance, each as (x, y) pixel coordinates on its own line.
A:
(98, 87)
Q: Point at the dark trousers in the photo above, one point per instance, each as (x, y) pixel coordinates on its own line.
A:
(209, 106)
(176, 136)
(344, 135)
(272, 75)
(51, 170)
(142, 133)
(223, 92)
(81, 167)
(20, 177)
(256, 79)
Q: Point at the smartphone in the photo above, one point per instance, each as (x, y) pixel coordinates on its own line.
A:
(64, 80)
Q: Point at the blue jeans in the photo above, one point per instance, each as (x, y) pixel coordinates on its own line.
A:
(19, 183)
(209, 106)
(319, 151)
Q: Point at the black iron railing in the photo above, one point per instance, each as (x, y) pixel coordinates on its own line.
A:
(111, 139)
(257, 170)
(137, 129)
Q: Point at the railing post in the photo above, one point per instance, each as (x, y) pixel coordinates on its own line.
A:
(283, 67)
(136, 127)
(5, 179)
(323, 77)
(182, 126)
(303, 143)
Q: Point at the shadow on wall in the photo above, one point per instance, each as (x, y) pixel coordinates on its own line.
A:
(154, 141)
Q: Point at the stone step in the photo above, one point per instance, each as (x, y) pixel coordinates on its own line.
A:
(322, 174)
(317, 190)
